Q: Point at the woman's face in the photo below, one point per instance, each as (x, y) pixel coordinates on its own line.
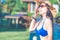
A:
(42, 9)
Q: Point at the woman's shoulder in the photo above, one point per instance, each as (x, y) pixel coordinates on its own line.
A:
(48, 20)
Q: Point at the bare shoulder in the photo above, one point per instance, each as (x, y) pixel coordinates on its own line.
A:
(48, 20)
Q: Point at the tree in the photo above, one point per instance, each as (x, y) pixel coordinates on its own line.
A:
(0, 9)
(11, 5)
(20, 6)
(55, 2)
(59, 4)
(15, 5)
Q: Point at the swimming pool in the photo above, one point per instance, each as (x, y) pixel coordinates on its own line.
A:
(56, 32)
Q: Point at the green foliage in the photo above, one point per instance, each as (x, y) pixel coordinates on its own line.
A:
(58, 14)
(53, 1)
(11, 3)
(15, 6)
(0, 7)
(13, 12)
(30, 14)
(20, 6)
(24, 7)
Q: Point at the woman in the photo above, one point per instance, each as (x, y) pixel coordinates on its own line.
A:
(43, 28)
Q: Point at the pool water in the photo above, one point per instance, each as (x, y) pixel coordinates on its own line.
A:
(56, 32)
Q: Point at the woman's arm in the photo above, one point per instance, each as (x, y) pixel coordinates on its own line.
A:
(33, 22)
(49, 29)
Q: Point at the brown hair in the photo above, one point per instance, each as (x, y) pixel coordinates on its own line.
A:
(49, 13)
(48, 4)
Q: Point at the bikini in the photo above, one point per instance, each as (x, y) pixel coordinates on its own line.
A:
(42, 31)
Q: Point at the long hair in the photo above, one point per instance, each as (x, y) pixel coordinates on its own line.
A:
(49, 14)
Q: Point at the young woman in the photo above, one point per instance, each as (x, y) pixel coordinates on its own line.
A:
(43, 28)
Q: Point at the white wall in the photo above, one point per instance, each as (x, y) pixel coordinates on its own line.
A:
(56, 7)
(32, 8)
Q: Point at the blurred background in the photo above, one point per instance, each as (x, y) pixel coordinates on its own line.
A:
(15, 18)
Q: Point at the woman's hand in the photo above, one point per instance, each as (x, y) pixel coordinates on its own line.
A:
(36, 13)
(33, 22)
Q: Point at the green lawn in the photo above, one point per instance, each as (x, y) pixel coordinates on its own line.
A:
(14, 35)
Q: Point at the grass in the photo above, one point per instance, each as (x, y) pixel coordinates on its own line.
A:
(14, 35)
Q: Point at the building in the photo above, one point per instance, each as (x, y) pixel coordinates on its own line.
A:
(31, 5)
